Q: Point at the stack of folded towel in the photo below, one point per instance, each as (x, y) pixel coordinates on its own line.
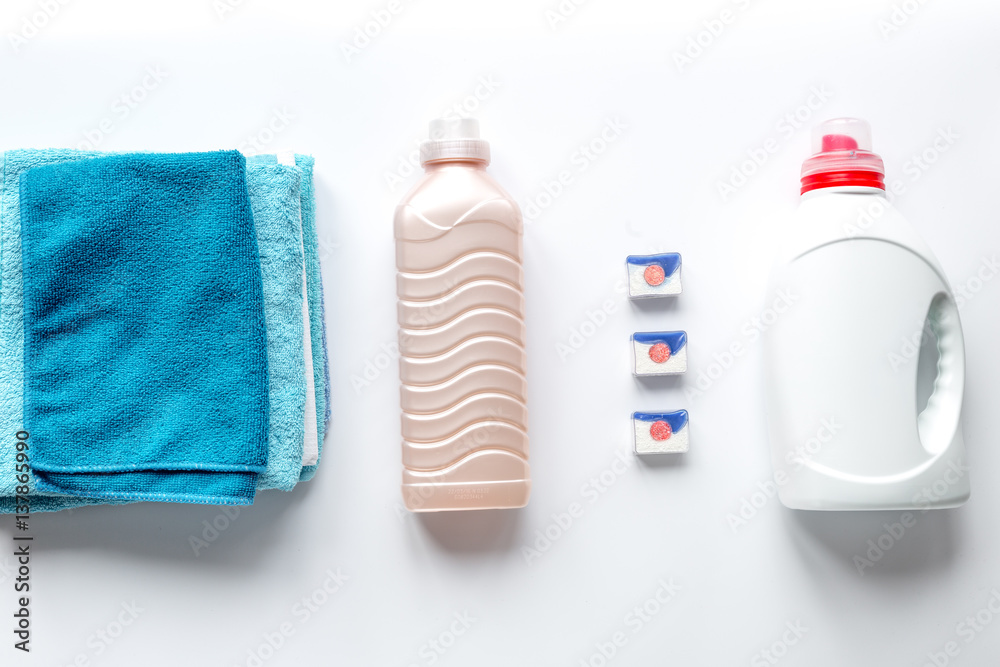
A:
(161, 327)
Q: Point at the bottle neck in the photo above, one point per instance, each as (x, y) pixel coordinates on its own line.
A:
(843, 190)
(439, 165)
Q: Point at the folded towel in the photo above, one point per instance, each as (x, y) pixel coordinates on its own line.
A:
(280, 455)
(276, 202)
(314, 290)
(12, 324)
(144, 333)
(317, 315)
(310, 442)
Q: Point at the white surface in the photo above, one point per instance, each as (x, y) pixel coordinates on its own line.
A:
(836, 362)
(671, 137)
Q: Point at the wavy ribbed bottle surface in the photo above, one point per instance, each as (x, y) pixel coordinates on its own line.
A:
(462, 336)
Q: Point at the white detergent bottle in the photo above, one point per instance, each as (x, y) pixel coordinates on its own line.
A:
(859, 292)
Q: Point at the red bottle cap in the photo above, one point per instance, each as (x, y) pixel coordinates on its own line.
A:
(842, 156)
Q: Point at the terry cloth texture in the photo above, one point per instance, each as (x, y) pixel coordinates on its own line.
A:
(310, 447)
(280, 456)
(144, 335)
(14, 163)
(310, 441)
(314, 291)
(276, 203)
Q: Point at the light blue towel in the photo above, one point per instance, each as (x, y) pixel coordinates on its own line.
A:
(276, 202)
(145, 350)
(314, 290)
(317, 314)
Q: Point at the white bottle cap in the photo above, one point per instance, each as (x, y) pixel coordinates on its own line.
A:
(454, 139)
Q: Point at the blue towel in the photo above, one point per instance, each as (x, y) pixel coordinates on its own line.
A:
(12, 324)
(144, 334)
(283, 454)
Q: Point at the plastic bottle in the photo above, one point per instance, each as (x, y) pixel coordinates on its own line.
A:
(858, 291)
(462, 334)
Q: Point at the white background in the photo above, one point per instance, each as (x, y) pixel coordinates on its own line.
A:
(656, 187)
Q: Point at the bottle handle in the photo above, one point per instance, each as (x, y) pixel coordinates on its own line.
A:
(937, 423)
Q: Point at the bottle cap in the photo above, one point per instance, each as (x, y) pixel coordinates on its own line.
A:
(842, 156)
(454, 139)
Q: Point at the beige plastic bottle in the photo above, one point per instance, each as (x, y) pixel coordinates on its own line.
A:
(461, 336)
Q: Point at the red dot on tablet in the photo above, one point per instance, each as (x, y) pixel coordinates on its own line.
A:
(660, 430)
(659, 353)
(654, 275)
